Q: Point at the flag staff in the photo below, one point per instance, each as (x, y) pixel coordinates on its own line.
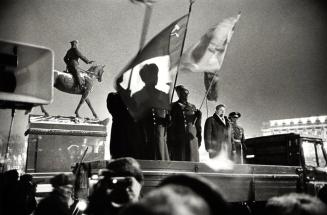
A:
(146, 22)
(179, 63)
(226, 43)
(145, 27)
(210, 85)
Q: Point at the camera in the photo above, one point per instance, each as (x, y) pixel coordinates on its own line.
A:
(118, 189)
(119, 182)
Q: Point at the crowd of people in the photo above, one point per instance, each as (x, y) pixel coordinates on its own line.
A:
(17, 193)
(118, 192)
(175, 134)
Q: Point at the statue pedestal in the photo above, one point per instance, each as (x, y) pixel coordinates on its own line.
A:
(57, 142)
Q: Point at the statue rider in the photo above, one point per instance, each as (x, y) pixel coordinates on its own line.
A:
(71, 60)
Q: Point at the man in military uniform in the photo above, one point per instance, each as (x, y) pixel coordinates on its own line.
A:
(184, 134)
(71, 60)
(237, 138)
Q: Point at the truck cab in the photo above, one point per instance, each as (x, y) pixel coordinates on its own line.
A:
(308, 154)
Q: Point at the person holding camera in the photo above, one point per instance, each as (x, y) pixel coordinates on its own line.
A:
(60, 199)
(119, 185)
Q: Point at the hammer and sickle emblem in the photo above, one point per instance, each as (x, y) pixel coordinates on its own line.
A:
(175, 30)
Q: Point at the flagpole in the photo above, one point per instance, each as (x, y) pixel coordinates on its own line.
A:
(227, 43)
(214, 75)
(210, 85)
(145, 27)
(146, 21)
(179, 63)
(206, 94)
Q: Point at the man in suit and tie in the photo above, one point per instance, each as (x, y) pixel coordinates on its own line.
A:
(217, 133)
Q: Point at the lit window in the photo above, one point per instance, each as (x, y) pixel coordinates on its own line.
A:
(309, 153)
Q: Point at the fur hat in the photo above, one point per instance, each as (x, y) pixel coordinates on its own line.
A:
(62, 180)
(202, 187)
(124, 167)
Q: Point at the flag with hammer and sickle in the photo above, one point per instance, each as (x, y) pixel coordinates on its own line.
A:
(147, 81)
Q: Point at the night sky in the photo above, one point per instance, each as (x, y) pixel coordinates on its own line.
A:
(275, 66)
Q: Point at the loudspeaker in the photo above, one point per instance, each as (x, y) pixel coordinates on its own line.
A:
(26, 75)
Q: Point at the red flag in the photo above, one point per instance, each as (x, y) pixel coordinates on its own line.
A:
(146, 83)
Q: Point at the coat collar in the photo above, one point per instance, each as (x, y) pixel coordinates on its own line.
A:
(217, 118)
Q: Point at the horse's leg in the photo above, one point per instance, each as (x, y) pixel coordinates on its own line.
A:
(90, 106)
(79, 105)
(44, 111)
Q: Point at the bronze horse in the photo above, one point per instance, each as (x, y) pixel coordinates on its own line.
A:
(64, 82)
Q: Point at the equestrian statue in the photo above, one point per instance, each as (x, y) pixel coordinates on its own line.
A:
(75, 80)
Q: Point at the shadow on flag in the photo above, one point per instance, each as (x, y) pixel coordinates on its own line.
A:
(146, 82)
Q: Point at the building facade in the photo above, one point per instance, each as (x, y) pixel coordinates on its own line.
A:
(315, 126)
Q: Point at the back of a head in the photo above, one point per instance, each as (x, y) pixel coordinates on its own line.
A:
(62, 180)
(12, 175)
(295, 204)
(26, 178)
(209, 191)
(182, 194)
(10, 178)
(149, 74)
(170, 200)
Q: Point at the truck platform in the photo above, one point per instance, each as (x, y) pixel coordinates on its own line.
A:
(241, 183)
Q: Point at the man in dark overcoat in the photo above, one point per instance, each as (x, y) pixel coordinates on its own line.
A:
(152, 104)
(184, 133)
(217, 133)
(127, 139)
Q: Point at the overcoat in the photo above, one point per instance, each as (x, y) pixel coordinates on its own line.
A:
(184, 133)
(127, 138)
(217, 135)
